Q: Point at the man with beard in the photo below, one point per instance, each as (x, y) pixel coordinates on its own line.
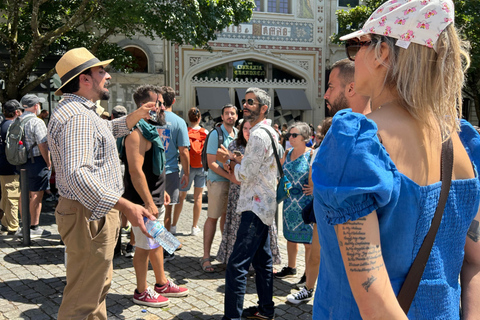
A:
(144, 160)
(218, 182)
(341, 89)
(89, 182)
(257, 173)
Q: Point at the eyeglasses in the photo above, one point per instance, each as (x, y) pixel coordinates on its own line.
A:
(294, 135)
(352, 48)
(250, 102)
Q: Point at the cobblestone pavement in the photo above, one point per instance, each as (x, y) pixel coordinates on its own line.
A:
(32, 278)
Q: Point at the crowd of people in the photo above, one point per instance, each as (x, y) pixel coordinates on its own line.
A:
(365, 186)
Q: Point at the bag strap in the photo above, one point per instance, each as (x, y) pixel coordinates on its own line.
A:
(279, 166)
(410, 286)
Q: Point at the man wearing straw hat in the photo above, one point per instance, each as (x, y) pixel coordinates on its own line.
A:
(89, 182)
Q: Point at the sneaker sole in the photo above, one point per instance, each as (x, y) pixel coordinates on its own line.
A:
(151, 304)
(174, 295)
(297, 302)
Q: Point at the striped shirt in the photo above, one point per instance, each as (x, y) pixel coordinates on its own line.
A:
(35, 132)
(84, 154)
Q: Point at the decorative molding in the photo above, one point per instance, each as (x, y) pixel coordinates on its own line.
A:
(304, 64)
(235, 48)
(194, 61)
(229, 82)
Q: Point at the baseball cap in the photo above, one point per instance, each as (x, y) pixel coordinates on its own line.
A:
(29, 100)
(106, 114)
(119, 111)
(11, 106)
(417, 21)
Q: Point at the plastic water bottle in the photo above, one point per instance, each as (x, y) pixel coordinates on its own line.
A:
(161, 235)
(20, 145)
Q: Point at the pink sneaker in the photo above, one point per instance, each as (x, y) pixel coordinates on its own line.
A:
(170, 289)
(150, 298)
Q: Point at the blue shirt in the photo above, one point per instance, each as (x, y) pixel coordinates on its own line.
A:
(174, 134)
(353, 175)
(212, 146)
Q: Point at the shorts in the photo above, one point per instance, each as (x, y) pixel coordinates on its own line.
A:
(172, 185)
(144, 242)
(217, 198)
(37, 173)
(196, 174)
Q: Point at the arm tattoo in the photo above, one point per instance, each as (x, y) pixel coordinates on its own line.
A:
(474, 231)
(368, 283)
(361, 255)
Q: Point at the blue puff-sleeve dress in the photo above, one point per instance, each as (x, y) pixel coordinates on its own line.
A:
(353, 175)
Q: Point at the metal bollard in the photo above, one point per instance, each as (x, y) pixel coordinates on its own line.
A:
(25, 198)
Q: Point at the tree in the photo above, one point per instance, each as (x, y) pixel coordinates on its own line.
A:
(32, 31)
(467, 20)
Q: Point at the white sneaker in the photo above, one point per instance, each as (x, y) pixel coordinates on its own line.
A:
(196, 231)
(173, 230)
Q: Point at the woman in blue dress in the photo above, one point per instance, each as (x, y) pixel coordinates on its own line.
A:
(296, 164)
(377, 178)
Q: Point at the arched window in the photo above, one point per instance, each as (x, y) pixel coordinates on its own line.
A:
(140, 62)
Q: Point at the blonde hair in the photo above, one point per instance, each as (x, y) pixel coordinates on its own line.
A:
(429, 82)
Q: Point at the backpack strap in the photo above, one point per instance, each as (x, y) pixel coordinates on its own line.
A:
(23, 122)
(279, 166)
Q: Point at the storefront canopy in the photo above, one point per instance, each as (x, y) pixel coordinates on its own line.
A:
(212, 98)
(293, 99)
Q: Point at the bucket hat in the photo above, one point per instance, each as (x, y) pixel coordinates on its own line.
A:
(417, 21)
(73, 63)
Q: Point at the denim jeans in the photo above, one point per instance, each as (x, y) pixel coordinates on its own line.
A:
(252, 247)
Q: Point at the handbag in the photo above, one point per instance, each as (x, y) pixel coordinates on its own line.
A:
(410, 286)
(283, 185)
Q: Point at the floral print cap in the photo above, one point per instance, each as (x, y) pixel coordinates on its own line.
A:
(418, 21)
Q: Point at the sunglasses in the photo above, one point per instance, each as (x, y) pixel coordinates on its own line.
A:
(352, 48)
(159, 104)
(294, 135)
(250, 102)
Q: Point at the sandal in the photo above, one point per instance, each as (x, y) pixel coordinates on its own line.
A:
(208, 268)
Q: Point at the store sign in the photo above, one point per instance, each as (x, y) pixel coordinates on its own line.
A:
(249, 69)
(258, 29)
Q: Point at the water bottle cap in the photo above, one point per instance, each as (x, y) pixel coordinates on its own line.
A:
(20, 142)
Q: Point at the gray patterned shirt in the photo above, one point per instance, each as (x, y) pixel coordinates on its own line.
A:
(35, 132)
(84, 154)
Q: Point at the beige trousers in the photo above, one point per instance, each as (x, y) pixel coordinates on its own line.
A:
(9, 204)
(89, 246)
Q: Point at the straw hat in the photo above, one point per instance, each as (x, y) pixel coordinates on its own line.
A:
(73, 63)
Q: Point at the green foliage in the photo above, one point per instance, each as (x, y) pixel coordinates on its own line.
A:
(31, 30)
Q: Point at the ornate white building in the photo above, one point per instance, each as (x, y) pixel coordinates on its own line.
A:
(284, 49)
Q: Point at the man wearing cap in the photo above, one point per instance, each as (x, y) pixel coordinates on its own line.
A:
(118, 111)
(38, 164)
(9, 175)
(89, 182)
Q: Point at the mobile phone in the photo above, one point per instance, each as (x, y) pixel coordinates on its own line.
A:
(153, 116)
(237, 153)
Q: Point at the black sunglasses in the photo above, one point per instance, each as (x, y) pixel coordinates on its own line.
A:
(352, 48)
(250, 102)
(288, 135)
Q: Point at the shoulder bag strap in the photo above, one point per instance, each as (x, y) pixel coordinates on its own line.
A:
(279, 166)
(410, 286)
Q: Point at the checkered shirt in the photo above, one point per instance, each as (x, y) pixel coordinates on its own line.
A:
(84, 154)
(35, 131)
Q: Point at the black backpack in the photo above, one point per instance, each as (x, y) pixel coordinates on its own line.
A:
(204, 151)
